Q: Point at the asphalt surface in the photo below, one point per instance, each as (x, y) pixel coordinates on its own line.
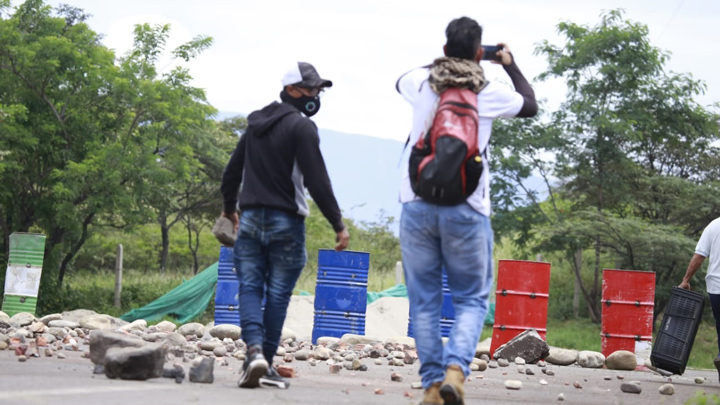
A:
(51, 380)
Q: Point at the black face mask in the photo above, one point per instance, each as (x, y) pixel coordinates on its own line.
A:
(307, 105)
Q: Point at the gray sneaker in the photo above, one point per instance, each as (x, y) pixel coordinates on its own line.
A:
(255, 366)
(273, 379)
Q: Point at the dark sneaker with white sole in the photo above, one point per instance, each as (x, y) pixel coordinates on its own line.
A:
(274, 380)
(254, 368)
(717, 365)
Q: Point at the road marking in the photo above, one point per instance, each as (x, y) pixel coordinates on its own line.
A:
(76, 391)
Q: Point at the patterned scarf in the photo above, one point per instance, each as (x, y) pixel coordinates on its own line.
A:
(447, 72)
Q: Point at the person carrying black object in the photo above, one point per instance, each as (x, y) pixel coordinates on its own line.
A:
(275, 159)
(459, 237)
(708, 246)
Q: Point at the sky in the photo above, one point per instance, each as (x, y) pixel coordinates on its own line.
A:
(363, 47)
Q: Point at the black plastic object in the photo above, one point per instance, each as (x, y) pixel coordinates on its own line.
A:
(679, 325)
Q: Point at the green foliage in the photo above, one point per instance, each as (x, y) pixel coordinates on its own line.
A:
(110, 143)
(628, 162)
(96, 291)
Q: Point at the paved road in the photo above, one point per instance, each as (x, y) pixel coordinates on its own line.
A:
(50, 380)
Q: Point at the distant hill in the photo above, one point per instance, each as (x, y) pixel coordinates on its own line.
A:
(364, 173)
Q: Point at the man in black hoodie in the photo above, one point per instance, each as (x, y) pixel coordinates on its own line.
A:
(275, 159)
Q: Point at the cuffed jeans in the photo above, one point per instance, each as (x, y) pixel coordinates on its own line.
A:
(461, 240)
(715, 305)
(270, 253)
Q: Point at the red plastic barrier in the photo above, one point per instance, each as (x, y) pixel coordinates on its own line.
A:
(521, 300)
(628, 299)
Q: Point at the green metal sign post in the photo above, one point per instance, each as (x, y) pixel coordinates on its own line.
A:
(22, 280)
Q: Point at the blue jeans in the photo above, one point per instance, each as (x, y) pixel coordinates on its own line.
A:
(270, 255)
(460, 239)
(715, 305)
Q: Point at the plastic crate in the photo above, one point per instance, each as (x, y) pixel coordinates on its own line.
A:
(679, 325)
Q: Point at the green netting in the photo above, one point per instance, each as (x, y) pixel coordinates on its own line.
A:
(185, 302)
(398, 290)
(190, 299)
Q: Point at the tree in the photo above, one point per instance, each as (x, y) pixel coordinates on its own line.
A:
(626, 145)
(84, 133)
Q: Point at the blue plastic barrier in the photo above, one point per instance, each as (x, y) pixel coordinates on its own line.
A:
(227, 290)
(340, 293)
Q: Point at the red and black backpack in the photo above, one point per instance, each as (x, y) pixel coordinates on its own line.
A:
(445, 163)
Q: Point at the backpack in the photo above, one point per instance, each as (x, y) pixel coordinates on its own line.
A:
(445, 163)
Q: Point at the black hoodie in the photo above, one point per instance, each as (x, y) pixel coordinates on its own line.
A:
(278, 150)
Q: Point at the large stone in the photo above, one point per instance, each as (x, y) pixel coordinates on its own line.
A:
(528, 345)
(37, 327)
(62, 323)
(77, 315)
(22, 319)
(513, 384)
(322, 353)
(4, 338)
(4, 317)
(288, 333)
(59, 333)
(138, 325)
(209, 345)
(483, 347)
(154, 337)
(101, 341)
(135, 363)
(405, 341)
(352, 339)
(630, 388)
(327, 340)
(175, 339)
(302, 354)
(226, 331)
(166, 326)
(52, 317)
(101, 322)
(201, 370)
(590, 359)
(561, 357)
(621, 360)
(192, 328)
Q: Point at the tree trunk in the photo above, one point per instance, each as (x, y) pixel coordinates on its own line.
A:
(577, 260)
(596, 278)
(75, 248)
(165, 233)
(5, 239)
(594, 312)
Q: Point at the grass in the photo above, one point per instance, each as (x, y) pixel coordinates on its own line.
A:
(96, 290)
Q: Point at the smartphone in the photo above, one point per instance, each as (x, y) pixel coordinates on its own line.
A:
(489, 52)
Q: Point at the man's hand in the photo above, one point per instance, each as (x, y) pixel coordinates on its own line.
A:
(233, 218)
(505, 56)
(685, 285)
(343, 238)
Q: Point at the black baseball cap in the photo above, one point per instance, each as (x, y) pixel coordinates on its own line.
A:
(303, 74)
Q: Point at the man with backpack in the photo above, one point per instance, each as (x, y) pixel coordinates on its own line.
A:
(445, 192)
(275, 159)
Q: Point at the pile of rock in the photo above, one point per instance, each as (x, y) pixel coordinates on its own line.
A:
(137, 351)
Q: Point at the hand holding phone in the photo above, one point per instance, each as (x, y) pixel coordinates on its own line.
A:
(490, 52)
